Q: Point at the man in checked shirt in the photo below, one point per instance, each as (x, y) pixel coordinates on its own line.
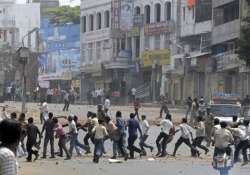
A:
(8, 146)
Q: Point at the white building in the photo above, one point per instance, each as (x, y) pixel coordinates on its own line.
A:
(191, 60)
(16, 21)
(117, 59)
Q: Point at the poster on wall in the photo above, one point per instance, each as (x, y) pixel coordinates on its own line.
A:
(126, 18)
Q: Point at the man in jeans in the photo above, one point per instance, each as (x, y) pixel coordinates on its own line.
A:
(32, 133)
(73, 133)
(161, 141)
(60, 133)
(48, 127)
(121, 129)
(145, 128)
(133, 126)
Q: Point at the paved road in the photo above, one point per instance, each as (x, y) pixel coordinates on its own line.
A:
(182, 165)
(81, 110)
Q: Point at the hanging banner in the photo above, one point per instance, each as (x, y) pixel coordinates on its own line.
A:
(126, 17)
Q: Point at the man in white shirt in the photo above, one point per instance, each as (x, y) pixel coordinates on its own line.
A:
(107, 105)
(200, 135)
(186, 135)
(100, 134)
(44, 114)
(241, 133)
(222, 140)
(165, 133)
(73, 133)
(8, 146)
(145, 128)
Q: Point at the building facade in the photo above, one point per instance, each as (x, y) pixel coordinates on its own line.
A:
(16, 21)
(125, 44)
(231, 74)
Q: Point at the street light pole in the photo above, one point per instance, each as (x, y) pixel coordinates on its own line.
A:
(24, 89)
(23, 60)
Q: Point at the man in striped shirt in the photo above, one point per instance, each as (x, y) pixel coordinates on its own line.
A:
(8, 146)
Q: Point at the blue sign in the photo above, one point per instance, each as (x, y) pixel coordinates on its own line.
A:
(62, 47)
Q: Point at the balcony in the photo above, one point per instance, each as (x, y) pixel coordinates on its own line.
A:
(226, 61)
(226, 32)
(217, 3)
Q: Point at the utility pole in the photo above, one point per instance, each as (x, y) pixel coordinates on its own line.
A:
(23, 55)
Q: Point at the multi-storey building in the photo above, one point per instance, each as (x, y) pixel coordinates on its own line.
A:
(125, 49)
(16, 21)
(231, 76)
(190, 74)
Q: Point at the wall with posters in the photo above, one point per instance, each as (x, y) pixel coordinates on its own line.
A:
(62, 51)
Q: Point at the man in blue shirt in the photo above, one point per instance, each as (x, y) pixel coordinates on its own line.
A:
(133, 126)
(121, 140)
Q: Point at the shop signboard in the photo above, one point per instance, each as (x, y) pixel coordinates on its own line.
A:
(159, 57)
(158, 28)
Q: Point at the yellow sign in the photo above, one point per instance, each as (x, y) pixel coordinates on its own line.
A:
(134, 31)
(76, 83)
(159, 57)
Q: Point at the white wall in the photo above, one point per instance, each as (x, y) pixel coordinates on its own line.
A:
(27, 17)
(91, 7)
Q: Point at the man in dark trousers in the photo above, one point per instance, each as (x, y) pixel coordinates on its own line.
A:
(121, 127)
(49, 136)
(133, 126)
(32, 132)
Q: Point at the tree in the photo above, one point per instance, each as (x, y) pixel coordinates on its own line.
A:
(64, 14)
(244, 44)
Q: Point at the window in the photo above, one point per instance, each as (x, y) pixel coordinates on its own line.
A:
(193, 12)
(147, 14)
(157, 12)
(146, 43)
(99, 21)
(167, 41)
(91, 22)
(137, 11)
(83, 24)
(83, 56)
(98, 50)
(129, 44)
(184, 13)
(137, 46)
(226, 13)
(123, 44)
(90, 52)
(203, 10)
(168, 11)
(107, 19)
(157, 42)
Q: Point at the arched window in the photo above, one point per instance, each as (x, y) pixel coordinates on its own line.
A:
(157, 12)
(106, 19)
(91, 22)
(168, 11)
(137, 10)
(99, 21)
(147, 14)
(84, 24)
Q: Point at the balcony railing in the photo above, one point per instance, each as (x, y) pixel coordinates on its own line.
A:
(227, 61)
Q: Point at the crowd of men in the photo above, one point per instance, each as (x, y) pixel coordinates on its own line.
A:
(99, 127)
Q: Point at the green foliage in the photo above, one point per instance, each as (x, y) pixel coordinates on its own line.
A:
(244, 44)
(62, 15)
